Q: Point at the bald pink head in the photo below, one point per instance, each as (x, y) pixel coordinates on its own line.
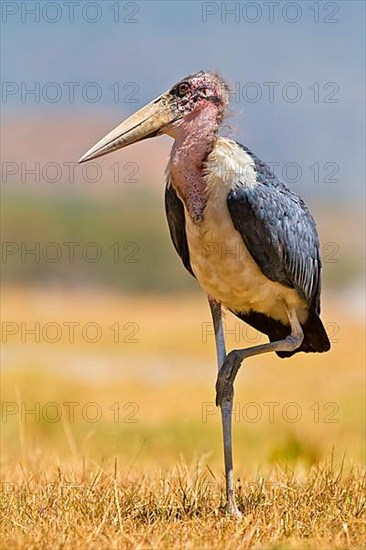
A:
(203, 91)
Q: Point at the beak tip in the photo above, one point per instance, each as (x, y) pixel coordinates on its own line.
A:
(86, 156)
(81, 159)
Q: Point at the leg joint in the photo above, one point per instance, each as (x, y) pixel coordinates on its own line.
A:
(294, 340)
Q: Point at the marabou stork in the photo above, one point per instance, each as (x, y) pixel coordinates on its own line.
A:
(220, 197)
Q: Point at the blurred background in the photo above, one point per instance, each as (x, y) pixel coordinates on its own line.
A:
(96, 308)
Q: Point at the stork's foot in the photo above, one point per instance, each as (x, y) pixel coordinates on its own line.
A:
(233, 511)
(226, 377)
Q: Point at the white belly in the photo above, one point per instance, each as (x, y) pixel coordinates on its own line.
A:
(225, 269)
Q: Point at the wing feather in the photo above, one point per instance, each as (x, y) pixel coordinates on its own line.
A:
(279, 232)
(177, 225)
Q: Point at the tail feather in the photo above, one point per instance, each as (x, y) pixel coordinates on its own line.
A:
(315, 337)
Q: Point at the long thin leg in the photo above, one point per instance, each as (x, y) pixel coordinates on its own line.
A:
(233, 361)
(226, 406)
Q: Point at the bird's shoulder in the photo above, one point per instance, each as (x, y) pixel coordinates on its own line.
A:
(276, 226)
(271, 198)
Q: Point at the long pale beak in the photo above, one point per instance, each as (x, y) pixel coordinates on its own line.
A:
(147, 122)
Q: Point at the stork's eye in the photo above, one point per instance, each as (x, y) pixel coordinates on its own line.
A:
(183, 88)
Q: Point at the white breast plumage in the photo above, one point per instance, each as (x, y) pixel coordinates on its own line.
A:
(219, 258)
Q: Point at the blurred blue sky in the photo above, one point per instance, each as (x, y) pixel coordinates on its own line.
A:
(154, 44)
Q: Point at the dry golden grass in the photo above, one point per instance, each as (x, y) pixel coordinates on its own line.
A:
(116, 484)
(183, 509)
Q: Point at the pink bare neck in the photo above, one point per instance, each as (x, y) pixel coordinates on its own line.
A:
(194, 139)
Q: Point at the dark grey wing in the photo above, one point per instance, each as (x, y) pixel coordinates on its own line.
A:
(177, 225)
(279, 233)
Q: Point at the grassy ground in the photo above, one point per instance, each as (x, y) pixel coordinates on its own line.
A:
(116, 443)
(103, 509)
